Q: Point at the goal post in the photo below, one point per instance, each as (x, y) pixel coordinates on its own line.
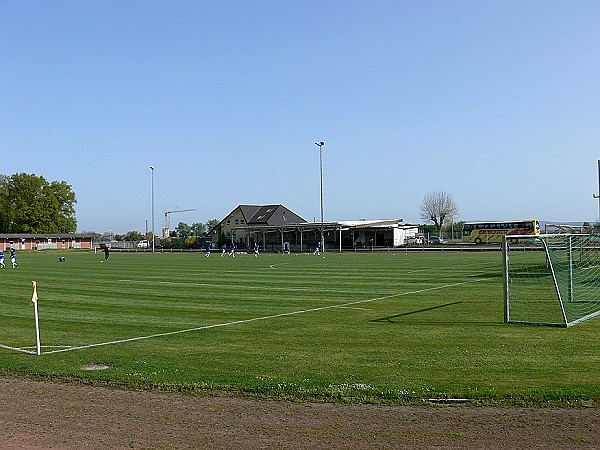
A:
(551, 279)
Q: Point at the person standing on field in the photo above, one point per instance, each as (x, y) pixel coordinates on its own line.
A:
(13, 257)
(256, 249)
(232, 251)
(2, 259)
(317, 248)
(106, 252)
(223, 250)
(208, 249)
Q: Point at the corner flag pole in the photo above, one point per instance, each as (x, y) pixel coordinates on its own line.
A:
(34, 302)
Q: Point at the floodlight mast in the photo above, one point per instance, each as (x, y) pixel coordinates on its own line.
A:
(598, 196)
(320, 144)
(153, 234)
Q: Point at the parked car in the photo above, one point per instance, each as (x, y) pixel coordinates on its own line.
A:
(436, 240)
(143, 244)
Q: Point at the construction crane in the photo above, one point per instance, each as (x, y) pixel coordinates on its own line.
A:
(167, 219)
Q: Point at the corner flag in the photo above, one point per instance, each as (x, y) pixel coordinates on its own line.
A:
(34, 295)
(34, 303)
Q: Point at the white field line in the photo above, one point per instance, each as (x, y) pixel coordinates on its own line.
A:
(18, 349)
(32, 350)
(255, 319)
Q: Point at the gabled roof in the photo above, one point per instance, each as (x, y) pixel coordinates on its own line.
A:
(264, 215)
(269, 215)
(248, 211)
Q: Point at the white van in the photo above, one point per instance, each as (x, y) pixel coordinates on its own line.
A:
(143, 244)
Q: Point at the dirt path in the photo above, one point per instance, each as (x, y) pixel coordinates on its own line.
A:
(39, 415)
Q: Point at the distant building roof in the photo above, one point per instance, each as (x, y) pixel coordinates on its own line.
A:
(46, 235)
(263, 215)
(270, 215)
(383, 223)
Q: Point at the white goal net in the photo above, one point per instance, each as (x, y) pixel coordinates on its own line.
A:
(551, 279)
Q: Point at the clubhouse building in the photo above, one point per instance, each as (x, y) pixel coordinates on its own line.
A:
(272, 226)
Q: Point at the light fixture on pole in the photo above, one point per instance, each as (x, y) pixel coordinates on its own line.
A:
(320, 144)
(153, 234)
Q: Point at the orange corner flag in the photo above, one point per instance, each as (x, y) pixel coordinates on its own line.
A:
(34, 296)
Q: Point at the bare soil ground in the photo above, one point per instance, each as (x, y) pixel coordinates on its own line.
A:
(41, 415)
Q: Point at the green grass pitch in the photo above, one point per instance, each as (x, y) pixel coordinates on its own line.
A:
(375, 327)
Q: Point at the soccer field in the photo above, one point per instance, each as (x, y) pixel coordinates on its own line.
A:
(355, 327)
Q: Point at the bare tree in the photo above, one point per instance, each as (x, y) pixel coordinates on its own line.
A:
(438, 207)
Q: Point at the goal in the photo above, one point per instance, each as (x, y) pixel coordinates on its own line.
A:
(551, 279)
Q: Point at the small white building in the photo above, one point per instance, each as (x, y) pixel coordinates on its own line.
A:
(385, 232)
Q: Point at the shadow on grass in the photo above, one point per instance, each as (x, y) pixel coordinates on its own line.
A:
(395, 316)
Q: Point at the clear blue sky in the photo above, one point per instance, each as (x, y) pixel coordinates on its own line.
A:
(495, 102)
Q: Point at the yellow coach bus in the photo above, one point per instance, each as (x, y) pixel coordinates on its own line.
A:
(492, 232)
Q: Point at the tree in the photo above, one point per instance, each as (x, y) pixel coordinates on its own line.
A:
(133, 236)
(210, 224)
(198, 229)
(438, 207)
(30, 204)
(183, 230)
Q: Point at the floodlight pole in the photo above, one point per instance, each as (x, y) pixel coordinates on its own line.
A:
(598, 196)
(152, 182)
(320, 144)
